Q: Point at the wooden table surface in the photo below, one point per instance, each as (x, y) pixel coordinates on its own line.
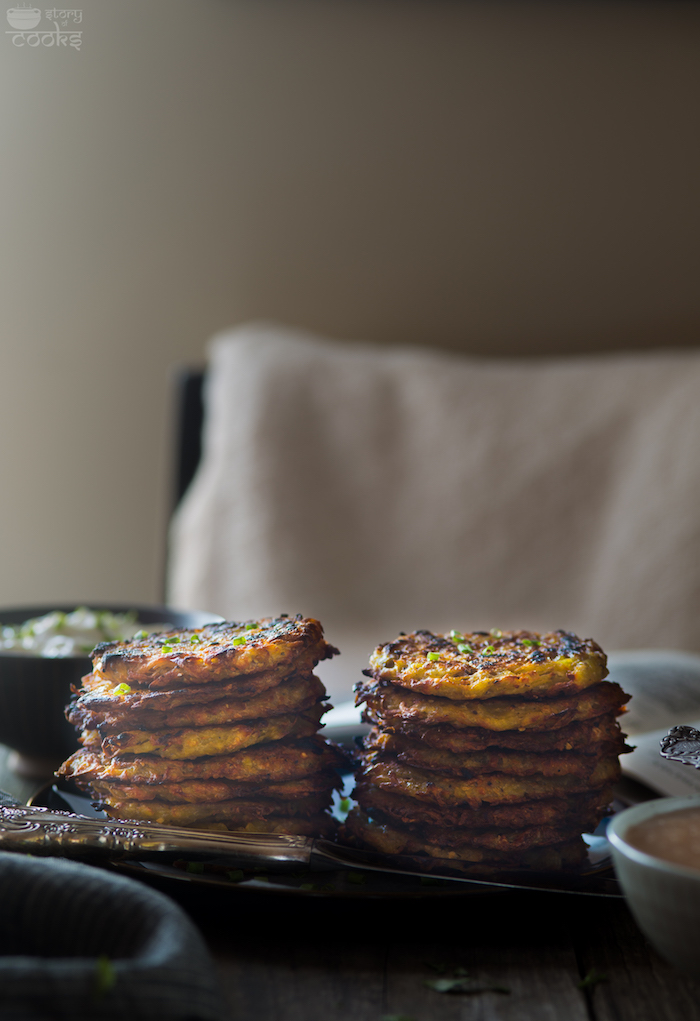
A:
(316, 958)
(330, 961)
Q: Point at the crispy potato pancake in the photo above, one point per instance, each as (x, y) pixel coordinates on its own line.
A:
(387, 702)
(466, 764)
(508, 841)
(492, 788)
(193, 742)
(322, 825)
(239, 810)
(483, 666)
(213, 653)
(276, 760)
(571, 855)
(394, 840)
(293, 695)
(197, 791)
(589, 736)
(100, 695)
(586, 809)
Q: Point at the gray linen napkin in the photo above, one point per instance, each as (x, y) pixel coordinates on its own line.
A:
(80, 943)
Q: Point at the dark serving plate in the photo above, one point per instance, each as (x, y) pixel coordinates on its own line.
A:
(360, 874)
(35, 690)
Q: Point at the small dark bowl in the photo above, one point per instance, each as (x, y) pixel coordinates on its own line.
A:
(35, 690)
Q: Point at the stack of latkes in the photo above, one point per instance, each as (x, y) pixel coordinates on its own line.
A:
(489, 749)
(214, 728)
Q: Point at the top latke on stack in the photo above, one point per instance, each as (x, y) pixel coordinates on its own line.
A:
(494, 749)
(214, 727)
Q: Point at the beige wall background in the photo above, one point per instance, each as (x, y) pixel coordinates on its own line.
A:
(503, 178)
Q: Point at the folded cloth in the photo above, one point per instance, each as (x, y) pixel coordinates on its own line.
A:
(80, 943)
(387, 489)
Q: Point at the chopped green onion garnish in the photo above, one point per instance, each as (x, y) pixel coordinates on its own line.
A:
(140, 635)
(593, 978)
(166, 648)
(195, 866)
(433, 656)
(464, 647)
(104, 977)
(496, 632)
(251, 627)
(530, 641)
(356, 877)
(489, 648)
(344, 804)
(235, 876)
(455, 634)
(239, 641)
(122, 689)
(195, 638)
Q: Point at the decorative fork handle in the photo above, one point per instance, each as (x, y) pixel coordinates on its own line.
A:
(43, 831)
(682, 744)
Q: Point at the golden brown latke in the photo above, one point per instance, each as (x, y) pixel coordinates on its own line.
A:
(394, 705)
(276, 760)
(238, 810)
(100, 695)
(293, 695)
(562, 857)
(192, 742)
(493, 665)
(390, 839)
(585, 809)
(322, 825)
(512, 841)
(197, 791)
(413, 753)
(590, 737)
(493, 788)
(212, 653)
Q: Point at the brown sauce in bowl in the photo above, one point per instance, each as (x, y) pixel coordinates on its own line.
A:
(671, 836)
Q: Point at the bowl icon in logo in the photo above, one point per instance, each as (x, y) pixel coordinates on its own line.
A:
(24, 17)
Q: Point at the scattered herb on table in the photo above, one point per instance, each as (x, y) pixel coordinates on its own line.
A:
(464, 986)
(104, 977)
(593, 978)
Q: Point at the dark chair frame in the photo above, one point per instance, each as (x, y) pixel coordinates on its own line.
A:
(189, 420)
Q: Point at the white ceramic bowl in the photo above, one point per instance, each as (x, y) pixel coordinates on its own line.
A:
(663, 897)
